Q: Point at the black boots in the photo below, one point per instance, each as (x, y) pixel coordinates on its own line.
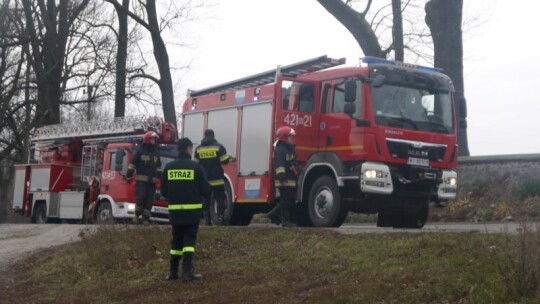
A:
(275, 215)
(286, 215)
(187, 275)
(173, 268)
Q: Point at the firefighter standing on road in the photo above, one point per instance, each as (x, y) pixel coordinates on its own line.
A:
(286, 171)
(183, 184)
(147, 165)
(211, 155)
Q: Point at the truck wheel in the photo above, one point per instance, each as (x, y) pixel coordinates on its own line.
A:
(104, 215)
(228, 212)
(404, 213)
(325, 206)
(242, 215)
(40, 214)
(415, 213)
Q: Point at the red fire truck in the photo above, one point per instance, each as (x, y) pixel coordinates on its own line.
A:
(376, 138)
(77, 172)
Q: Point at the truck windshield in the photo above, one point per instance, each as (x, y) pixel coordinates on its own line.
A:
(412, 108)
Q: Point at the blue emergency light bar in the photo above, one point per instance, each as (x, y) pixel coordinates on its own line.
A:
(375, 60)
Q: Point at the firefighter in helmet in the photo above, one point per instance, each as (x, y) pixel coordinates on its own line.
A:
(146, 163)
(184, 184)
(212, 155)
(286, 171)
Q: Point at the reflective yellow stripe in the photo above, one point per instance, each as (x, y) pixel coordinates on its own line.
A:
(216, 182)
(185, 206)
(289, 183)
(280, 170)
(142, 178)
(341, 148)
(176, 252)
(131, 167)
(224, 158)
(189, 249)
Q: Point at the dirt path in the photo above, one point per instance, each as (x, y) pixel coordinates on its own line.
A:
(18, 241)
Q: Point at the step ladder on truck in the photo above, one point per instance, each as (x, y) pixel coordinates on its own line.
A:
(76, 172)
(378, 138)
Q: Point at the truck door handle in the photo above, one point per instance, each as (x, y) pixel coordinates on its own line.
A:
(329, 140)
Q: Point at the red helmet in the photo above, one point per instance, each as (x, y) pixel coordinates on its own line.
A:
(284, 132)
(149, 135)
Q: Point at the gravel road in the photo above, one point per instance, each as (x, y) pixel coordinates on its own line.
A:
(20, 240)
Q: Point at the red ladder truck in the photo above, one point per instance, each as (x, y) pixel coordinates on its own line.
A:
(77, 172)
(377, 138)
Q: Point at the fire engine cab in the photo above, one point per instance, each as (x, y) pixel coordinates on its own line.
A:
(77, 172)
(376, 138)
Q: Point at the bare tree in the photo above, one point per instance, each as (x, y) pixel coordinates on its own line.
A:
(444, 18)
(48, 24)
(15, 105)
(160, 54)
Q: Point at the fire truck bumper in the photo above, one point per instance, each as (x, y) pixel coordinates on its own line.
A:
(376, 178)
(448, 188)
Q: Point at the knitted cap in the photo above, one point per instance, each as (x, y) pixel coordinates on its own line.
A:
(184, 143)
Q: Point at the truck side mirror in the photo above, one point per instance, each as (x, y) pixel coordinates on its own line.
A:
(462, 107)
(350, 91)
(349, 108)
(378, 81)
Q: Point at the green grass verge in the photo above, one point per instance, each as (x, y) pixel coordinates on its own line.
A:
(119, 264)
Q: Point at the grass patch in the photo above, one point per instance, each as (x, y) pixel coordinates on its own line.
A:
(122, 264)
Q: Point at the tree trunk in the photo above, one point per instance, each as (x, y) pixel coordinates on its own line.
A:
(397, 31)
(162, 60)
(357, 25)
(121, 58)
(444, 18)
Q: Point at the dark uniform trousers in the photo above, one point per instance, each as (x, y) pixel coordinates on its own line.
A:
(183, 245)
(144, 194)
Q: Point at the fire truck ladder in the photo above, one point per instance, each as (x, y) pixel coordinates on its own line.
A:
(293, 70)
(91, 161)
(99, 130)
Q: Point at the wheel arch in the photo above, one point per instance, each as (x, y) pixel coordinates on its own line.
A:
(322, 163)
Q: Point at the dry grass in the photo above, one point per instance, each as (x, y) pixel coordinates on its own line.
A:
(296, 265)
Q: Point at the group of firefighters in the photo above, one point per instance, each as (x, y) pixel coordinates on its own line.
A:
(190, 185)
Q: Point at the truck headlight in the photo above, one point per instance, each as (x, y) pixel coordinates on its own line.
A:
(373, 173)
(131, 207)
(452, 181)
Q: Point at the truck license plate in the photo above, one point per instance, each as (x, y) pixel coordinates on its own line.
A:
(413, 161)
(161, 210)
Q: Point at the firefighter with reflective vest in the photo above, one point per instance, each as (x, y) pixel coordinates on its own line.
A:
(286, 171)
(184, 184)
(212, 155)
(146, 163)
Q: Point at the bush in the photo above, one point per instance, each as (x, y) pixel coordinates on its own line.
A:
(528, 188)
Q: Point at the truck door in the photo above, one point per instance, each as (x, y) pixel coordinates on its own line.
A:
(113, 182)
(342, 132)
(297, 106)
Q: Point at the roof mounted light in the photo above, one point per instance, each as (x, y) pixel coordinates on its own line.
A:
(375, 60)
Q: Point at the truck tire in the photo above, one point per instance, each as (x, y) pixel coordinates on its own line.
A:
(40, 214)
(104, 215)
(325, 206)
(404, 213)
(228, 213)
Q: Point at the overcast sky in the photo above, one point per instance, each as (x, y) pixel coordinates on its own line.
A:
(502, 81)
